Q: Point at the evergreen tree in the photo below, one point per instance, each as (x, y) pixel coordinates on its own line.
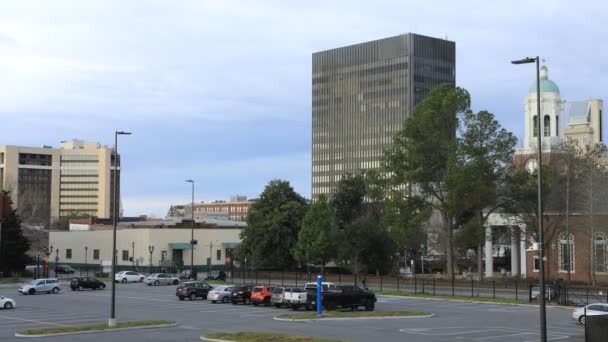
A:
(13, 245)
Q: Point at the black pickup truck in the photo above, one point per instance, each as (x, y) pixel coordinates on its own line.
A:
(342, 296)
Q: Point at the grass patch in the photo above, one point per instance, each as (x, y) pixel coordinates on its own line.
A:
(11, 280)
(89, 327)
(353, 314)
(266, 337)
(477, 299)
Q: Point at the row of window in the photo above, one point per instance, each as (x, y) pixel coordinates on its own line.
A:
(340, 76)
(546, 126)
(567, 253)
(78, 157)
(68, 254)
(125, 254)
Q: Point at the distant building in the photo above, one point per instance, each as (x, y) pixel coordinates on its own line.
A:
(361, 96)
(236, 209)
(47, 183)
(585, 123)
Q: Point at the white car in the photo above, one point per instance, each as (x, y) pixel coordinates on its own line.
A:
(7, 303)
(220, 294)
(596, 309)
(128, 277)
(40, 285)
(161, 278)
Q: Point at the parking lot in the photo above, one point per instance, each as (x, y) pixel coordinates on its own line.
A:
(453, 321)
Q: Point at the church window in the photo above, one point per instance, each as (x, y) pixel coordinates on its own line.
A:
(557, 125)
(547, 126)
(535, 125)
(566, 252)
(600, 253)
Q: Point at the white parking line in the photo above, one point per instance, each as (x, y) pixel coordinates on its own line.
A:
(28, 320)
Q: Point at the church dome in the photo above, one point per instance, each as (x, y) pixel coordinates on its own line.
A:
(546, 85)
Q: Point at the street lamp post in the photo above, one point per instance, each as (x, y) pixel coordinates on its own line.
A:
(112, 320)
(47, 252)
(541, 276)
(86, 263)
(56, 260)
(192, 241)
(133, 255)
(151, 250)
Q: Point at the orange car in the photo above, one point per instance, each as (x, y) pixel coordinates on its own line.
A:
(261, 295)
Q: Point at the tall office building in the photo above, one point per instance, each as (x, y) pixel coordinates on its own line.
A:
(47, 183)
(361, 96)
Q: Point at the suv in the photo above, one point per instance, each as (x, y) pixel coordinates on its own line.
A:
(241, 294)
(192, 290)
(80, 283)
(40, 285)
(261, 294)
(278, 296)
(64, 269)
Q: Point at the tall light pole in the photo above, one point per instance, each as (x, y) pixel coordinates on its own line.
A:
(151, 250)
(86, 263)
(112, 320)
(539, 174)
(192, 241)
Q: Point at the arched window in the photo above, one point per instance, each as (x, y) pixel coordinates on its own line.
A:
(566, 252)
(547, 126)
(535, 125)
(600, 253)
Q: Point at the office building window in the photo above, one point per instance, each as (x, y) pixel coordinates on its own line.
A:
(125, 255)
(96, 254)
(218, 255)
(68, 253)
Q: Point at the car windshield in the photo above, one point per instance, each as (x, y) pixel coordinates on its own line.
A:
(33, 282)
(277, 290)
(257, 289)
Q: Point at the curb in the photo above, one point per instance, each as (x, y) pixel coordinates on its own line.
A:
(276, 318)
(99, 331)
(476, 301)
(203, 338)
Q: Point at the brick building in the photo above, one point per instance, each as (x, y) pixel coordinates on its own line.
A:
(236, 209)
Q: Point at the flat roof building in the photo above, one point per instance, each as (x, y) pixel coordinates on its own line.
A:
(47, 183)
(361, 96)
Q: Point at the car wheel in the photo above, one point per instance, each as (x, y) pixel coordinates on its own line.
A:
(31, 292)
(255, 303)
(234, 302)
(582, 320)
(369, 306)
(181, 297)
(213, 301)
(141, 280)
(193, 296)
(267, 302)
(277, 305)
(156, 283)
(73, 288)
(225, 300)
(175, 282)
(247, 301)
(80, 288)
(55, 290)
(8, 305)
(124, 280)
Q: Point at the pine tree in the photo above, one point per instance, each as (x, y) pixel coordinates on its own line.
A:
(13, 245)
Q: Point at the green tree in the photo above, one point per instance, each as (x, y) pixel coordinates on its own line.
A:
(318, 238)
(348, 198)
(273, 225)
(421, 162)
(13, 245)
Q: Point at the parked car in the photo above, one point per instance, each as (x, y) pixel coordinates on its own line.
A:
(128, 277)
(80, 283)
(261, 295)
(597, 309)
(40, 285)
(220, 294)
(221, 275)
(301, 298)
(278, 296)
(295, 297)
(343, 296)
(161, 278)
(192, 290)
(241, 294)
(186, 274)
(7, 303)
(64, 269)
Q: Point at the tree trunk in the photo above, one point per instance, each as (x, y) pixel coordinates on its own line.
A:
(480, 261)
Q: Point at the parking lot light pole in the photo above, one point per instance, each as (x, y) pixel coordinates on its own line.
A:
(86, 264)
(56, 261)
(47, 252)
(112, 320)
(539, 175)
(151, 250)
(133, 255)
(192, 242)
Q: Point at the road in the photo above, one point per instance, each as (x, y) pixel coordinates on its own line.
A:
(453, 320)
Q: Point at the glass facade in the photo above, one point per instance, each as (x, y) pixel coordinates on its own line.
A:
(361, 95)
(79, 185)
(34, 189)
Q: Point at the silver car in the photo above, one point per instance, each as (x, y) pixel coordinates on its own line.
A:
(278, 296)
(40, 285)
(161, 278)
(220, 294)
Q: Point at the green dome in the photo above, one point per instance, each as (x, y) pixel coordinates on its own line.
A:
(546, 86)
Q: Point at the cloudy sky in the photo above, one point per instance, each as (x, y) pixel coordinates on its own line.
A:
(220, 91)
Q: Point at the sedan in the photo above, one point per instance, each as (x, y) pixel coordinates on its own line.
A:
(7, 303)
(597, 309)
(128, 277)
(80, 283)
(64, 269)
(220, 294)
(161, 278)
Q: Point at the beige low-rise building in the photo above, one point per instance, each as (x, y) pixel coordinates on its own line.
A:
(141, 246)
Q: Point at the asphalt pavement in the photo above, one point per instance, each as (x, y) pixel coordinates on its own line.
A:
(453, 321)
